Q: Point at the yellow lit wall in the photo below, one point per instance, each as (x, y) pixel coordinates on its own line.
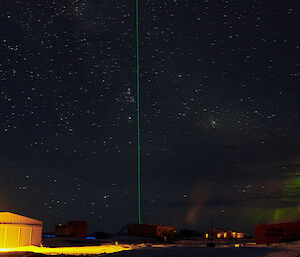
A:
(240, 235)
(17, 230)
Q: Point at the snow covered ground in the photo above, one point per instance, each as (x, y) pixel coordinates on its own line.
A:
(188, 248)
(205, 252)
(182, 249)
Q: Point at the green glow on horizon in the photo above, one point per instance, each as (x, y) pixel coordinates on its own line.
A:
(138, 114)
(285, 214)
(297, 182)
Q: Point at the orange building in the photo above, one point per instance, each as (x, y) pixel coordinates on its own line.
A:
(225, 234)
(17, 230)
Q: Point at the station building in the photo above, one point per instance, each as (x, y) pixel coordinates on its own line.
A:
(17, 230)
(276, 233)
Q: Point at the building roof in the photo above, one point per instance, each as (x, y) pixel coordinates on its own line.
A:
(11, 218)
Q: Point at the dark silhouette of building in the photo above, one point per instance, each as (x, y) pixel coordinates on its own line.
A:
(191, 233)
(77, 229)
(151, 230)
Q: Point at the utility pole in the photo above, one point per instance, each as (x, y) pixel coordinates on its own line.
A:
(211, 227)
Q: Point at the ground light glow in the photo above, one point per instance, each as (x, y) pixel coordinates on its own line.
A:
(84, 250)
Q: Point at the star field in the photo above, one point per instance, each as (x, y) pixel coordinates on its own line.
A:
(219, 111)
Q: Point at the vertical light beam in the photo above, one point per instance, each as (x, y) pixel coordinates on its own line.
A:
(138, 114)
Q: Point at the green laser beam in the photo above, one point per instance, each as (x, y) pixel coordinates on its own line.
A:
(138, 114)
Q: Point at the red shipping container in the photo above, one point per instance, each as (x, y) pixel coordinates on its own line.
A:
(276, 233)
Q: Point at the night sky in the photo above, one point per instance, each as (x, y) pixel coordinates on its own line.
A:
(220, 112)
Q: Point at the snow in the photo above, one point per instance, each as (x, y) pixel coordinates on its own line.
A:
(186, 248)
